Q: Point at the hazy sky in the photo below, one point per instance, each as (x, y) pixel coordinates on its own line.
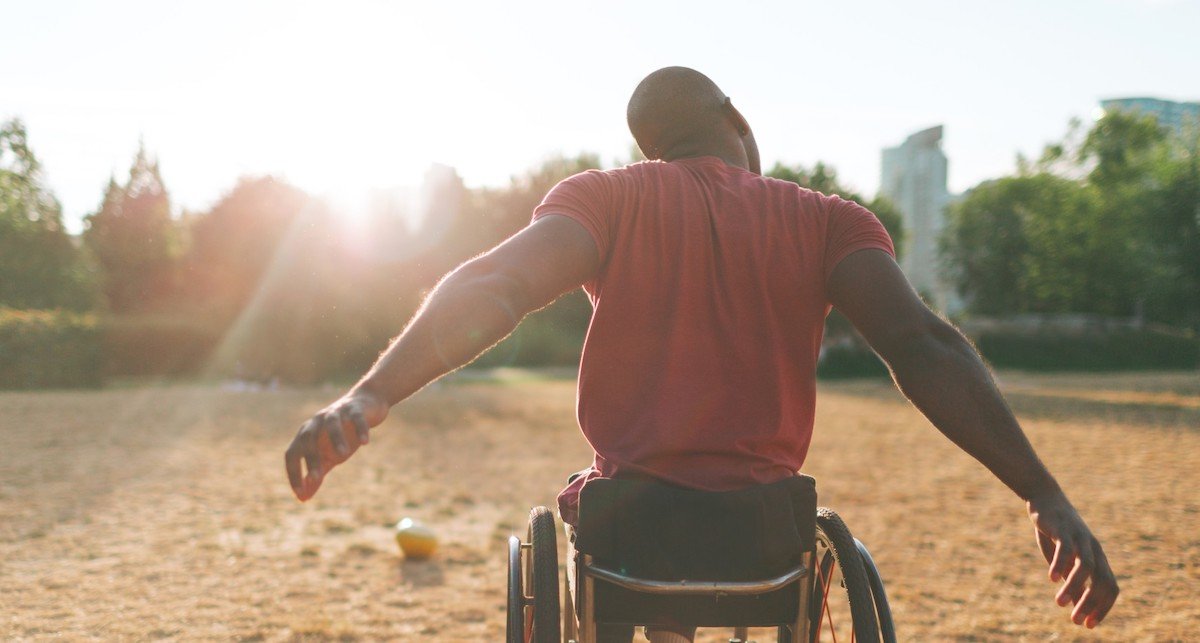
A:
(339, 97)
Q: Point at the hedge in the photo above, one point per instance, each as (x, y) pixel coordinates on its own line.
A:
(846, 362)
(1118, 350)
(49, 349)
(158, 346)
(1121, 350)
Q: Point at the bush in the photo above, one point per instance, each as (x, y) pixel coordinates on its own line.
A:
(1044, 350)
(48, 348)
(846, 362)
(1121, 350)
(157, 345)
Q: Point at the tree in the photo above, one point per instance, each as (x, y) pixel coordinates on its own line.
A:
(233, 244)
(1148, 193)
(997, 244)
(134, 238)
(1105, 222)
(1174, 222)
(40, 267)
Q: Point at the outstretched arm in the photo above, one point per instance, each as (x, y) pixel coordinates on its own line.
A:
(472, 308)
(942, 374)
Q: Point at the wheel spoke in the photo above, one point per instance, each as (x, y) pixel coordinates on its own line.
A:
(826, 586)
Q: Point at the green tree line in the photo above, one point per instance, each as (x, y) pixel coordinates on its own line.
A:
(271, 282)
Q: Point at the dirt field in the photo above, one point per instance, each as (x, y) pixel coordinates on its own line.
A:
(164, 513)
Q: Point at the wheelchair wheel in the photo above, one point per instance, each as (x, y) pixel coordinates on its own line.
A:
(842, 607)
(515, 627)
(541, 565)
(887, 629)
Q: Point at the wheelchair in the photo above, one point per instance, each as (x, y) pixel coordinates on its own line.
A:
(831, 590)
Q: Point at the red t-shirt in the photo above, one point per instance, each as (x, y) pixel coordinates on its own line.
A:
(699, 367)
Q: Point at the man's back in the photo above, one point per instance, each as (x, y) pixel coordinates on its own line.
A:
(699, 364)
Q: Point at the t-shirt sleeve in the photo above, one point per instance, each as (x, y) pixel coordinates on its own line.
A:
(850, 228)
(587, 199)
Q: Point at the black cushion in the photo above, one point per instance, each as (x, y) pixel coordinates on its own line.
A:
(648, 529)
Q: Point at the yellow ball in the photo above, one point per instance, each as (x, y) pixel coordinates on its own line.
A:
(417, 541)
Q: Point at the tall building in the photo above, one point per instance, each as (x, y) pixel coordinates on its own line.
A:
(1168, 112)
(914, 178)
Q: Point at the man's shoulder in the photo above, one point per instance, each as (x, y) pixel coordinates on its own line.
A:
(636, 170)
(611, 179)
(610, 175)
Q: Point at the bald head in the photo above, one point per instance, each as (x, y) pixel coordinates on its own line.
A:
(675, 106)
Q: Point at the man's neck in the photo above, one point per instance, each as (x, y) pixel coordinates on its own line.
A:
(736, 158)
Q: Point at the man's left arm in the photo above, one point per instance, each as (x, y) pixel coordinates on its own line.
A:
(472, 308)
(942, 374)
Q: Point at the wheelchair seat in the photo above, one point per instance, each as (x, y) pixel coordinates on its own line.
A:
(657, 554)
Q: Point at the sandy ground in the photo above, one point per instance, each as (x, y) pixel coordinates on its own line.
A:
(164, 513)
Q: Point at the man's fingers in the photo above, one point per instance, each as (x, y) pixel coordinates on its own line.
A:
(291, 461)
(1098, 612)
(1103, 592)
(312, 460)
(1072, 590)
(333, 428)
(1082, 611)
(1094, 605)
(1064, 559)
(360, 427)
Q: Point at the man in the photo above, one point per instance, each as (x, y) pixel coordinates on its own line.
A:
(710, 285)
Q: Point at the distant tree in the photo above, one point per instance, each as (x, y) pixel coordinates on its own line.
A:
(1120, 146)
(133, 237)
(295, 289)
(514, 204)
(458, 223)
(1174, 223)
(823, 178)
(1104, 222)
(1148, 194)
(449, 230)
(40, 267)
(233, 244)
(996, 265)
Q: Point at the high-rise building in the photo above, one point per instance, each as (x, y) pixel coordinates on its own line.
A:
(914, 178)
(1172, 114)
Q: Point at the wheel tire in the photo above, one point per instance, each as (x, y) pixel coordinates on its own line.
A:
(835, 546)
(887, 628)
(515, 625)
(543, 576)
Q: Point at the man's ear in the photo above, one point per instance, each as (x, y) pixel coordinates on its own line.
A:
(739, 121)
(747, 135)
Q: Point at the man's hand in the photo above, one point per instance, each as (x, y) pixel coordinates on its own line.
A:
(1075, 558)
(330, 437)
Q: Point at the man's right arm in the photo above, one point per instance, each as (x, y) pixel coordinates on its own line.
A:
(942, 374)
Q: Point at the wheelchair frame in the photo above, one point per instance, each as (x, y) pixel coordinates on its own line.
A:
(526, 608)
